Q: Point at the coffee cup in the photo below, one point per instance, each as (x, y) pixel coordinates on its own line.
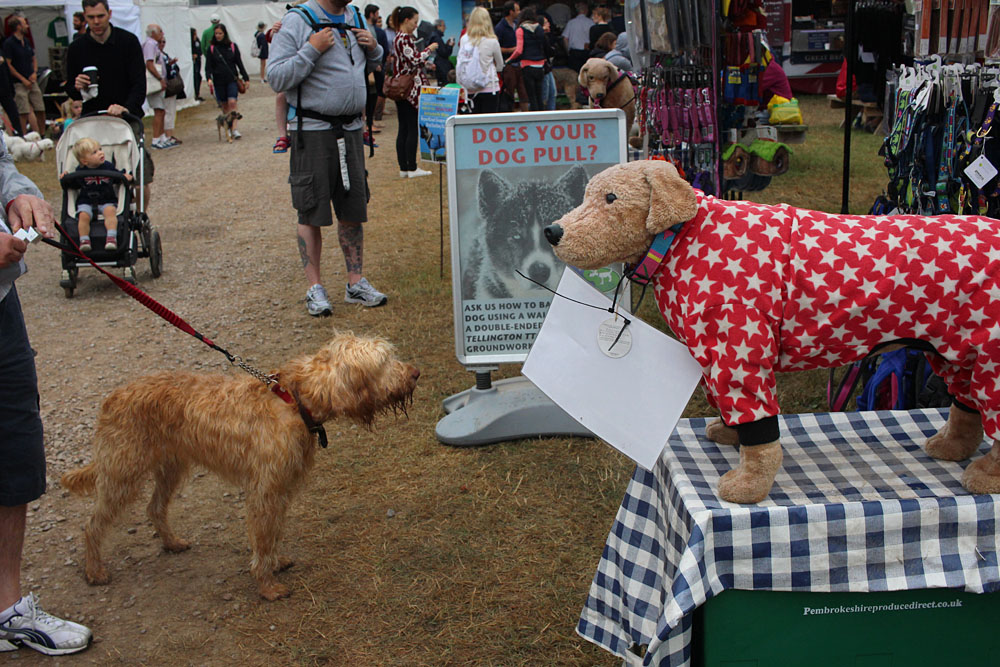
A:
(91, 72)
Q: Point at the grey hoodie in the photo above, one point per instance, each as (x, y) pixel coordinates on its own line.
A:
(331, 84)
(12, 184)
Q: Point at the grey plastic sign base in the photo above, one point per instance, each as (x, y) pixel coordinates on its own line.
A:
(510, 409)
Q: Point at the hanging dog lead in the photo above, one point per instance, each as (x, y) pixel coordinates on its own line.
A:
(342, 150)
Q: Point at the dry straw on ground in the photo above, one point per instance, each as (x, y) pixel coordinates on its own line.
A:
(408, 552)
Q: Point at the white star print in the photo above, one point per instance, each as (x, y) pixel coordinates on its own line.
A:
(705, 285)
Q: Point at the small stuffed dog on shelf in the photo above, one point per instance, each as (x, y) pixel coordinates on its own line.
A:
(752, 289)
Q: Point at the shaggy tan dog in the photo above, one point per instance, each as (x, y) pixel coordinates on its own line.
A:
(163, 424)
(608, 89)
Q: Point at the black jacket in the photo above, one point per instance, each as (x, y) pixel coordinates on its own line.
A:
(221, 63)
(121, 68)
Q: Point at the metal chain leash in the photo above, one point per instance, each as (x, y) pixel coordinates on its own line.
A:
(268, 380)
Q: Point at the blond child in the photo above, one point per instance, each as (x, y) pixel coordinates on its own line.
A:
(72, 110)
(96, 192)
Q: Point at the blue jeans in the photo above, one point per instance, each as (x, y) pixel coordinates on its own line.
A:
(549, 92)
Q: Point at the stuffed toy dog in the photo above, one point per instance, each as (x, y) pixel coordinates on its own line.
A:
(753, 289)
(608, 88)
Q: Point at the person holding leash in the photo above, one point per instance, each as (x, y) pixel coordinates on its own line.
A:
(319, 59)
(22, 451)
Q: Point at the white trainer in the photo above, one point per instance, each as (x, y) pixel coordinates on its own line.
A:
(416, 173)
(317, 302)
(362, 292)
(36, 629)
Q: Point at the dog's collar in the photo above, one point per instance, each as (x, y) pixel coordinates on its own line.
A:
(642, 272)
(292, 398)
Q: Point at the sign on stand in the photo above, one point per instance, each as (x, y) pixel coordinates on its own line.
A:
(435, 107)
(510, 176)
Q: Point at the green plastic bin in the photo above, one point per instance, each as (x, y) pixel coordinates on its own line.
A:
(934, 627)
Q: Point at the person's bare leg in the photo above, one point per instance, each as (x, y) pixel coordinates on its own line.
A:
(352, 238)
(12, 522)
(83, 224)
(158, 115)
(310, 249)
(281, 114)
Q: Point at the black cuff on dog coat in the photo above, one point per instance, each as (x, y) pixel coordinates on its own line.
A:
(759, 432)
(963, 407)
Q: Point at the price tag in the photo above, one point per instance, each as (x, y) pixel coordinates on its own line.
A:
(613, 338)
(980, 171)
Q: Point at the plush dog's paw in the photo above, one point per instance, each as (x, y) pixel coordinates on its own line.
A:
(751, 480)
(721, 434)
(97, 575)
(983, 474)
(274, 591)
(958, 439)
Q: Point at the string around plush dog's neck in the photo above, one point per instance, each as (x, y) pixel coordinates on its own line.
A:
(613, 309)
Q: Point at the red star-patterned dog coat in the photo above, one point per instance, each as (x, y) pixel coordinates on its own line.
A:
(753, 289)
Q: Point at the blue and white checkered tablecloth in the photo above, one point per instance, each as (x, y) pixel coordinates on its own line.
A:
(857, 507)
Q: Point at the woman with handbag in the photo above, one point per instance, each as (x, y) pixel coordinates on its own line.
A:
(404, 84)
(173, 91)
(222, 61)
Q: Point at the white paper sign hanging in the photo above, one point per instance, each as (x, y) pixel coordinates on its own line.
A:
(632, 402)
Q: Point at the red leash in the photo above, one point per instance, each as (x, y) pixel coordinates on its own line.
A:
(173, 318)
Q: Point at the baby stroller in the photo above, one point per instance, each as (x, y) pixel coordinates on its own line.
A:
(136, 235)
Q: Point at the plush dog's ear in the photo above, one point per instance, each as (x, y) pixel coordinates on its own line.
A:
(612, 72)
(671, 198)
(582, 79)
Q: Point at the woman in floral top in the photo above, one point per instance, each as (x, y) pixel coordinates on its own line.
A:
(404, 21)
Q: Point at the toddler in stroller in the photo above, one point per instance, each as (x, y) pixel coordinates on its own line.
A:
(96, 192)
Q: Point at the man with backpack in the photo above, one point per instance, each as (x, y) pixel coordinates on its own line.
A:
(320, 59)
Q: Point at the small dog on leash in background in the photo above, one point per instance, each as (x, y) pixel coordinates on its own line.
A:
(224, 123)
(236, 427)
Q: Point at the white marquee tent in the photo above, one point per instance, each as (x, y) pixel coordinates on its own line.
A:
(177, 17)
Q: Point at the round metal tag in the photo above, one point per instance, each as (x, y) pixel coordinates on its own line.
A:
(607, 334)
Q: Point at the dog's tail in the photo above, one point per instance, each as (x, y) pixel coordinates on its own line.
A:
(82, 480)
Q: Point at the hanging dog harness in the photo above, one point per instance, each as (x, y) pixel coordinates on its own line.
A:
(270, 381)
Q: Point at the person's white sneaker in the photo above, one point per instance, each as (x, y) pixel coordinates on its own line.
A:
(43, 632)
(362, 292)
(416, 173)
(404, 174)
(317, 302)
(237, 135)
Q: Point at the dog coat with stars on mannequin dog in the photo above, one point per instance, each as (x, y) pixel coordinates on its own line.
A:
(752, 289)
(801, 289)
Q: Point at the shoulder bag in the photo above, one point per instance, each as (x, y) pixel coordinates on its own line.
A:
(175, 84)
(153, 85)
(397, 86)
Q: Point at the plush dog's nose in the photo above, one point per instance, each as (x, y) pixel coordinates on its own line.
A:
(415, 373)
(553, 234)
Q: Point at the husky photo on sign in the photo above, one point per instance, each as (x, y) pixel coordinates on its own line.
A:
(507, 237)
(508, 178)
